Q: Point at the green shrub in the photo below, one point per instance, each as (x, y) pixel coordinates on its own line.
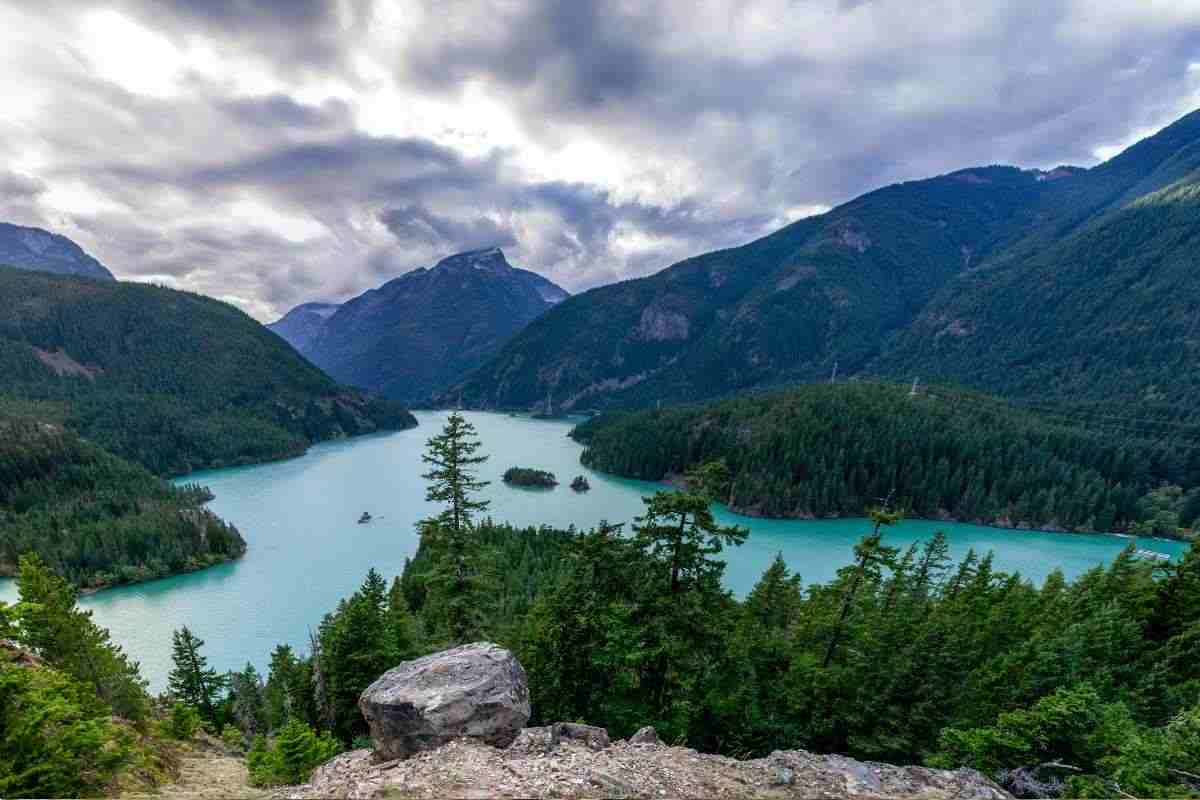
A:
(183, 722)
(56, 738)
(233, 738)
(291, 756)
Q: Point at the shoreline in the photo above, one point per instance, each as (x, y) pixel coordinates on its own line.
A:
(1024, 527)
(9, 572)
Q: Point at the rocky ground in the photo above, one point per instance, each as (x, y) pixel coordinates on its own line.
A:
(539, 764)
(206, 772)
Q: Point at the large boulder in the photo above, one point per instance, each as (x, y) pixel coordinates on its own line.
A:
(478, 691)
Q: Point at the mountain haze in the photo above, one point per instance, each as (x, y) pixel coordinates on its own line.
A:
(996, 277)
(303, 323)
(37, 249)
(422, 331)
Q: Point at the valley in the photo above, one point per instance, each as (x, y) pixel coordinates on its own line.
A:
(299, 518)
(909, 479)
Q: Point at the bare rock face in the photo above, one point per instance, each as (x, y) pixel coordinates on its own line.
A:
(478, 692)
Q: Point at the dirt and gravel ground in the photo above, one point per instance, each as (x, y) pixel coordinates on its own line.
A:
(206, 772)
(625, 770)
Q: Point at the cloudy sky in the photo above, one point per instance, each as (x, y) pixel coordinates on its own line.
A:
(271, 153)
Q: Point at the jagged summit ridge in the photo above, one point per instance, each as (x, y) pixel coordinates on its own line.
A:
(490, 259)
(419, 332)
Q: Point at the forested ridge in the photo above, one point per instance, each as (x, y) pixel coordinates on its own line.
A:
(171, 380)
(1067, 285)
(96, 519)
(826, 450)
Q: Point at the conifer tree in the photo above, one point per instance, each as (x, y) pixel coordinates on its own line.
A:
(66, 637)
(870, 555)
(453, 460)
(192, 680)
(456, 580)
(679, 528)
(775, 600)
(246, 701)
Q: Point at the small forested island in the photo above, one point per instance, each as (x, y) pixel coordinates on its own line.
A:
(832, 450)
(580, 484)
(526, 476)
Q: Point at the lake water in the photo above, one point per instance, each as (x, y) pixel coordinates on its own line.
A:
(306, 550)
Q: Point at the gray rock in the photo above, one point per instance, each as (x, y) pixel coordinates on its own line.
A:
(646, 735)
(478, 691)
(547, 738)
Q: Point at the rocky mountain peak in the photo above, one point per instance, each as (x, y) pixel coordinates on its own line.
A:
(489, 260)
(42, 251)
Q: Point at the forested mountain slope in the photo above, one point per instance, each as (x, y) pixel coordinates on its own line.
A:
(1112, 311)
(96, 519)
(912, 264)
(422, 331)
(167, 379)
(825, 450)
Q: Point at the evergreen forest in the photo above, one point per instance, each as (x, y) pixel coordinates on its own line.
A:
(833, 450)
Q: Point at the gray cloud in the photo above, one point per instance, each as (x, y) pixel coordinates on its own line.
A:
(18, 198)
(413, 223)
(305, 35)
(326, 147)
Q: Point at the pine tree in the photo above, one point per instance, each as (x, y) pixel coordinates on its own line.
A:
(401, 627)
(452, 460)
(67, 638)
(357, 646)
(279, 699)
(300, 750)
(246, 702)
(192, 680)
(870, 555)
(456, 581)
(775, 600)
(679, 528)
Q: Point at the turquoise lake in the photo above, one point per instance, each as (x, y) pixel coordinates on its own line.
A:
(307, 550)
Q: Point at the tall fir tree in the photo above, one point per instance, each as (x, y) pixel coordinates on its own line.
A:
(457, 580)
(451, 456)
(192, 681)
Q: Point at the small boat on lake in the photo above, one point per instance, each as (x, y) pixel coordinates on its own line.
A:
(365, 518)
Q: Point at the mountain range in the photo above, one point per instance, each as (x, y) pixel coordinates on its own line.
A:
(1061, 284)
(424, 330)
(37, 249)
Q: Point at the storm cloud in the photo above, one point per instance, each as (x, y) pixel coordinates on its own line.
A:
(271, 153)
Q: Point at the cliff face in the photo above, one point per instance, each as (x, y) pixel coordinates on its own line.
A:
(629, 769)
